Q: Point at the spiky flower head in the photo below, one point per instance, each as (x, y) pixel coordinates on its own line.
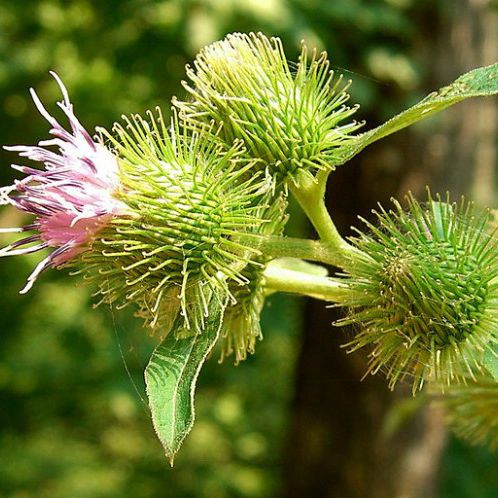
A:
(472, 410)
(292, 119)
(189, 205)
(72, 198)
(424, 292)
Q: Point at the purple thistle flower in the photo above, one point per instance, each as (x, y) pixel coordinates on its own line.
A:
(72, 198)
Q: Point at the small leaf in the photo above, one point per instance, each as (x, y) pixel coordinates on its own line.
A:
(171, 377)
(491, 363)
(479, 82)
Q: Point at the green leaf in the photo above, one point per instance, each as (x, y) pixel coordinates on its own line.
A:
(171, 377)
(491, 363)
(479, 82)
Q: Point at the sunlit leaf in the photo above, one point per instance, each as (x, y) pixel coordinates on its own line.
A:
(171, 377)
(479, 82)
(491, 362)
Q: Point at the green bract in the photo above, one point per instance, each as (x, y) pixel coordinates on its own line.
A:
(188, 203)
(293, 119)
(425, 292)
(241, 324)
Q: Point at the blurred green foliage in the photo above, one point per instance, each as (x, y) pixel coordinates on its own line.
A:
(73, 420)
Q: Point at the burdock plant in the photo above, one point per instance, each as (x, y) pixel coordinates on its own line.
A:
(424, 292)
(185, 219)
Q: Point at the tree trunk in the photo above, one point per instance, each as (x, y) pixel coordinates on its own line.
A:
(348, 438)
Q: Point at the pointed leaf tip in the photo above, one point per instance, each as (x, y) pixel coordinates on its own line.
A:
(479, 82)
(171, 377)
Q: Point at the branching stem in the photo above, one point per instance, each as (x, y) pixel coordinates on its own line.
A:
(280, 247)
(311, 196)
(296, 282)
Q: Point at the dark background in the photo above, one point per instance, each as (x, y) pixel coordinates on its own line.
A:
(294, 420)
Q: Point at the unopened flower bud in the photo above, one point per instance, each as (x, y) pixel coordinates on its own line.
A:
(293, 120)
(424, 292)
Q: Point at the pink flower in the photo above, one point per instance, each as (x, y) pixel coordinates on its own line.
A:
(72, 197)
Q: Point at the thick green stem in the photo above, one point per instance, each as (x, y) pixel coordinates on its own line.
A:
(311, 197)
(280, 247)
(313, 205)
(331, 249)
(296, 282)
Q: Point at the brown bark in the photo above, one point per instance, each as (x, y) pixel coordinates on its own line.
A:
(337, 442)
(461, 153)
